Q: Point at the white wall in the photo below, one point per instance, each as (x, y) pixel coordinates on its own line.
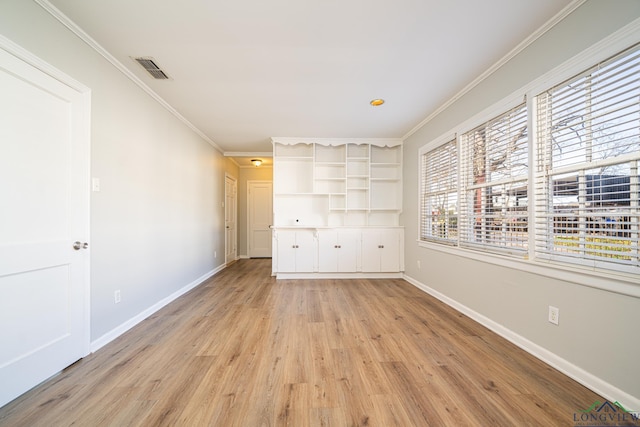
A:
(597, 335)
(158, 219)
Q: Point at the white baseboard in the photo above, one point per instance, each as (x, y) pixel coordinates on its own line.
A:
(280, 275)
(124, 327)
(598, 385)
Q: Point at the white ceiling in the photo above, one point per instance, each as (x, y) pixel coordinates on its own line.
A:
(243, 71)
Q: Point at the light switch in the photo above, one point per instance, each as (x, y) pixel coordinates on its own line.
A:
(95, 184)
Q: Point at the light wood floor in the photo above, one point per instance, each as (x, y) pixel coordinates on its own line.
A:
(246, 350)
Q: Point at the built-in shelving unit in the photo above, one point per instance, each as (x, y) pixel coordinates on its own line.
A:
(324, 182)
(337, 205)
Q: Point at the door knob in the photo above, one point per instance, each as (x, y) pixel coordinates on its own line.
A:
(79, 245)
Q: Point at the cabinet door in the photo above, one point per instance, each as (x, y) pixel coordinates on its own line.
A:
(286, 250)
(370, 251)
(381, 251)
(390, 250)
(306, 252)
(347, 251)
(337, 251)
(327, 251)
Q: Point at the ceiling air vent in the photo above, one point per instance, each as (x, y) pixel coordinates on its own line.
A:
(149, 64)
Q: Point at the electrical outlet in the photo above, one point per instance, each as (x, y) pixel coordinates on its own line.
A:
(419, 267)
(215, 254)
(554, 315)
(116, 296)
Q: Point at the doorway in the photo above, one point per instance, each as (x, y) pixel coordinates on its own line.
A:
(259, 218)
(230, 218)
(44, 221)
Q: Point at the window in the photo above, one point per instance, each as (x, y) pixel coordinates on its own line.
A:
(495, 166)
(581, 190)
(439, 221)
(588, 151)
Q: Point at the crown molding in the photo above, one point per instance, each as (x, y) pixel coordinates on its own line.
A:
(248, 154)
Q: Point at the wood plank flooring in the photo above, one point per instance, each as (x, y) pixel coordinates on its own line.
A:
(246, 350)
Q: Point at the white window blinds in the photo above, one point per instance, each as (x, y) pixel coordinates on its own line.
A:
(588, 154)
(439, 213)
(494, 204)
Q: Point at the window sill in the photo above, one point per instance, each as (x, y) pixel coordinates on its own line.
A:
(611, 281)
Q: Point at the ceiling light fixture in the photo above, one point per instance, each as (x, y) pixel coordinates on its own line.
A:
(256, 162)
(377, 102)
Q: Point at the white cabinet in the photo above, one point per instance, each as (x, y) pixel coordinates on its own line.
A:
(382, 250)
(296, 250)
(338, 250)
(308, 252)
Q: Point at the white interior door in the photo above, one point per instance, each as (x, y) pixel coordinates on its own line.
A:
(231, 218)
(44, 209)
(260, 218)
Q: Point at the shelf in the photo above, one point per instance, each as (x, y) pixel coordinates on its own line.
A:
(330, 154)
(330, 186)
(357, 167)
(386, 155)
(358, 151)
(386, 171)
(329, 171)
(385, 195)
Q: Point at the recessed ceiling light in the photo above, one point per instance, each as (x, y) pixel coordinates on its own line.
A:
(377, 102)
